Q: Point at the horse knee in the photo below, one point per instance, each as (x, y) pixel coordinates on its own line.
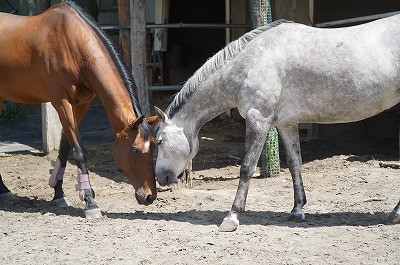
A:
(80, 159)
(246, 171)
(78, 155)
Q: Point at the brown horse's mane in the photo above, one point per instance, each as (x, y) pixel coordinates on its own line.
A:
(123, 70)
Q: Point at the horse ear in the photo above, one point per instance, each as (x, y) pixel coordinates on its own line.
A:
(152, 120)
(161, 115)
(138, 121)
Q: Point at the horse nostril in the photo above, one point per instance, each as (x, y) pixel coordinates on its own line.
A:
(149, 198)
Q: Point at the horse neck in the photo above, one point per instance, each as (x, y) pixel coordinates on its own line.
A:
(207, 101)
(112, 93)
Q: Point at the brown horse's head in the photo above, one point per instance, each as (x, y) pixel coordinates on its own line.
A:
(133, 153)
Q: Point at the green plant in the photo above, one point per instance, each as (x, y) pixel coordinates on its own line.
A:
(11, 110)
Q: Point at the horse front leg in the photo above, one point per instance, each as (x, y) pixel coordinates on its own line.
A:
(86, 193)
(257, 128)
(290, 137)
(69, 120)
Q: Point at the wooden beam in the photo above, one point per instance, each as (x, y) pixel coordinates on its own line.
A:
(311, 12)
(125, 33)
(355, 20)
(138, 50)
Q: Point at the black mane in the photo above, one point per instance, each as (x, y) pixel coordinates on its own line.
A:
(123, 70)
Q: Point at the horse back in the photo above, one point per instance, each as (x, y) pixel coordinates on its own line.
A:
(324, 75)
(40, 51)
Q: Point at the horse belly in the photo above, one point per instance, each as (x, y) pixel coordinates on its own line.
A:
(328, 108)
(341, 93)
(23, 86)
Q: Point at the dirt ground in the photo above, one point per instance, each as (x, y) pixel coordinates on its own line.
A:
(348, 195)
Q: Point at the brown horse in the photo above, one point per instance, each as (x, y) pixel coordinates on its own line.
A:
(62, 56)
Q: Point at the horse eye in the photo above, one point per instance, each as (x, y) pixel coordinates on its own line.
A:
(159, 142)
(135, 151)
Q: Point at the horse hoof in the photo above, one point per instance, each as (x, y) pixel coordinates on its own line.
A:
(8, 196)
(93, 213)
(394, 217)
(228, 225)
(62, 202)
(297, 215)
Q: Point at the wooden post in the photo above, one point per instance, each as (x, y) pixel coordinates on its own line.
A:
(311, 13)
(124, 34)
(138, 44)
(51, 128)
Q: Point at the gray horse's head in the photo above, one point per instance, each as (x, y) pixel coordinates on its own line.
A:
(175, 149)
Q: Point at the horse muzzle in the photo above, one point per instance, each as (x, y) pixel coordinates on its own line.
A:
(166, 178)
(144, 198)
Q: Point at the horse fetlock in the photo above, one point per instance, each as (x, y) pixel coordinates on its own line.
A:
(82, 195)
(297, 214)
(89, 199)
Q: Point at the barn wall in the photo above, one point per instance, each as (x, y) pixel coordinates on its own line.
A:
(331, 10)
(294, 10)
(188, 49)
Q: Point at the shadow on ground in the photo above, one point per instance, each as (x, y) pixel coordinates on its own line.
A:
(206, 217)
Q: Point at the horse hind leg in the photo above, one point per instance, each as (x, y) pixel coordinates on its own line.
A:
(290, 137)
(57, 173)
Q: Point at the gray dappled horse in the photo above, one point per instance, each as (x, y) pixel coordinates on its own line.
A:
(281, 75)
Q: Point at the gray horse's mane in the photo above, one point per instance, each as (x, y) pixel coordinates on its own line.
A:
(214, 63)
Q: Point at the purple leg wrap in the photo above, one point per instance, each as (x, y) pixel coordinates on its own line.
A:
(60, 173)
(84, 182)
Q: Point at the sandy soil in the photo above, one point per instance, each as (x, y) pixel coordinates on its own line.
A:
(348, 198)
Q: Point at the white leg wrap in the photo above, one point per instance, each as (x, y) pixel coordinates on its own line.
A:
(56, 173)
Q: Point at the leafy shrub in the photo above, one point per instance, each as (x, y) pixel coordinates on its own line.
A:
(11, 110)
